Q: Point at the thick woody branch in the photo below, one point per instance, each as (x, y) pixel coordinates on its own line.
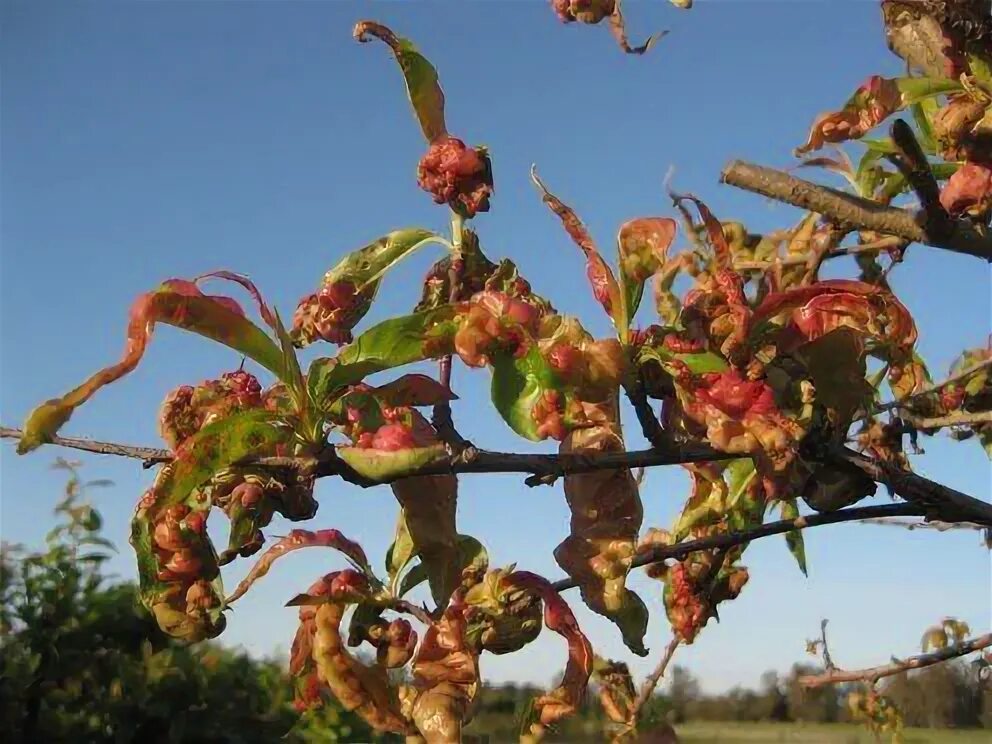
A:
(938, 501)
(848, 210)
(873, 674)
(958, 418)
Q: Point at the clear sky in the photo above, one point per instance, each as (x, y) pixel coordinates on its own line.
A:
(143, 141)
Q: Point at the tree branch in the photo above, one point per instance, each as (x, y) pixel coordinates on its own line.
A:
(913, 165)
(938, 501)
(543, 468)
(647, 689)
(873, 674)
(963, 374)
(957, 418)
(730, 539)
(848, 210)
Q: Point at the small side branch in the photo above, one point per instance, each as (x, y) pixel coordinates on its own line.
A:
(848, 210)
(873, 674)
(149, 455)
(648, 688)
(731, 539)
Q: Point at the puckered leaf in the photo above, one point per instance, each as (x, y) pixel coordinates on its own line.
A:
(503, 619)
(392, 343)
(420, 76)
(177, 567)
(176, 302)
(347, 291)
(519, 385)
(876, 99)
(643, 248)
(446, 678)
(413, 390)
(366, 690)
(606, 515)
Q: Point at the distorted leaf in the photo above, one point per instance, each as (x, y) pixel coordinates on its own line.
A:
(420, 76)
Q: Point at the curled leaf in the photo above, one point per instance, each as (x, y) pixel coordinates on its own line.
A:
(604, 285)
(348, 290)
(606, 515)
(296, 539)
(643, 249)
(565, 699)
(420, 76)
(176, 302)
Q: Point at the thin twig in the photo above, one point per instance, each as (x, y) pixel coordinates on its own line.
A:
(647, 689)
(803, 259)
(852, 211)
(828, 662)
(958, 418)
(957, 377)
(730, 539)
(147, 454)
(934, 525)
(873, 674)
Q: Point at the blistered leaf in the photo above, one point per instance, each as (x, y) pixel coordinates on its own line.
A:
(604, 285)
(606, 516)
(177, 566)
(836, 362)
(366, 690)
(519, 385)
(392, 343)
(472, 561)
(935, 638)
(347, 291)
(876, 99)
(421, 78)
(643, 249)
(794, 539)
(176, 302)
(296, 539)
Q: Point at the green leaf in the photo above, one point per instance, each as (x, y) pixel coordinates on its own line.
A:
(421, 78)
(923, 113)
(794, 539)
(365, 266)
(915, 89)
(216, 446)
(392, 343)
(472, 555)
(518, 384)
(381, 465)
(401, 551)
(698, 363)
(176, 302)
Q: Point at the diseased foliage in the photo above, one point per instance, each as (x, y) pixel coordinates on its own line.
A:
(760, 360)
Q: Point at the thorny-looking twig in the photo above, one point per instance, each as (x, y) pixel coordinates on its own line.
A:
(897, 666)
(647, 689)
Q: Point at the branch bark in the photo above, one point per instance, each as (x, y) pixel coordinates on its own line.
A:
(938, 501)
(730, 539)
(848, 210)
(873, 674)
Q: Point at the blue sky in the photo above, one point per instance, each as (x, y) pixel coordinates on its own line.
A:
(144, 141)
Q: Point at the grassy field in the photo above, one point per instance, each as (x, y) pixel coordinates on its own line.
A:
(815, 733)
